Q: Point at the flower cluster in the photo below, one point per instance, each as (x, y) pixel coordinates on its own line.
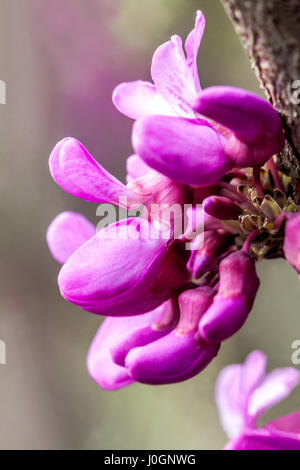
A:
(244, 392)
(168, 308)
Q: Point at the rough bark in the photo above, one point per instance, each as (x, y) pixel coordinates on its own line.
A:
(270, 33)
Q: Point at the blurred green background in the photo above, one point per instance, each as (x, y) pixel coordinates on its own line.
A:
(60, 61)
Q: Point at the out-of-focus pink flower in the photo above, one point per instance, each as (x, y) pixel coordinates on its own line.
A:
(292, 242)
(244, 392)
(182, 149)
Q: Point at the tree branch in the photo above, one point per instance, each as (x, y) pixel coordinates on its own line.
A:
(270, 33)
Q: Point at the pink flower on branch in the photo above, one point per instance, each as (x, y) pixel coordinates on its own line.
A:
(192, 135)
(169, 308)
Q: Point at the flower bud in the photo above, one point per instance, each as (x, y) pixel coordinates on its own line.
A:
(180, 354)
(212, 243)
(237, 290)
(221, 208)
(186, 151)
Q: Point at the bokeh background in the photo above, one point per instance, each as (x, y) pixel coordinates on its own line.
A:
(61, 60)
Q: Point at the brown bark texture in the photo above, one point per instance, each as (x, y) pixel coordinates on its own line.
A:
(270, 33)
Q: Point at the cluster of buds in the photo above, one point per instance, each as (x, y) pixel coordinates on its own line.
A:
(169, 307)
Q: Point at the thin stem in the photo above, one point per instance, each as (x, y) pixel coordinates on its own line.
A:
(232, 189)
(281, 217)
(257, 182)
(271, 165)
(249, 239)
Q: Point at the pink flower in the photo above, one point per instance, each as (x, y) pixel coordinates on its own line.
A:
(110, 274)
(175, 77)
(292, 242)
(238, 285)
(169, 309)
(159, 347)
(170, 135)
(244, 392)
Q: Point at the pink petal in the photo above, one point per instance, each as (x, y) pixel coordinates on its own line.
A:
(137, 99)
(136, 331)
(234, 386)
(173, 78)
(66, 233)
(192, 45)
(78, 173)
(115, 338)
(170, 359)
(287, 424)
(236, 294)
(292, 242)
(114, 273)
(263, 440)
(221, 207)
(256, 126)
(277, 385)
(136, 167)
(230, 401)
(248, 115)
(101, 367)
(253, 372)
(185, 151)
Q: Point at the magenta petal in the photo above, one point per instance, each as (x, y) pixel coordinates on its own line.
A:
(257, 154)
(234, 386)
(263, 440)
(78, 173)
(230, 400)
(292, 242)
(113, 273)
(66, 233)
(255, 124)
(136, 331)
(170, 359)
(224, 318)
(221, 208)
(137, 99)
(205, 257)
(237, 290)
(249, 116)
(287, 424)
(136, 167)
(173, 78)
(183, 150)
(276, 386)
(101, 367)
(192, 45)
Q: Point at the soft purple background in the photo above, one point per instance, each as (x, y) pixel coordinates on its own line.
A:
(60, 61)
